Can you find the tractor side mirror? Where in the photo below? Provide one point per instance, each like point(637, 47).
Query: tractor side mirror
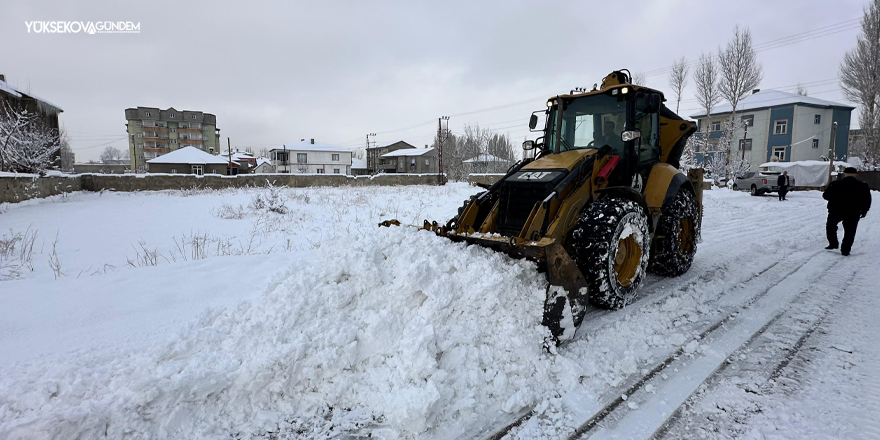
point(630, 135)
point(529, 145)
point(533, 121)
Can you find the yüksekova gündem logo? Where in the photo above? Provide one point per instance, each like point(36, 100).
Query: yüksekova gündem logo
point(85, 27)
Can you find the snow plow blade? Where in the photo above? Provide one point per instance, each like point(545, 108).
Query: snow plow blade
point(551, 257)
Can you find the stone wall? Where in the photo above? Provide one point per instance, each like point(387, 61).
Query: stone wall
point(18, 188)
point(484, 179)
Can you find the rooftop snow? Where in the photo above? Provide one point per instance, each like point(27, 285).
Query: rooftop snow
point(188, 155)
point(408, 152)
point(771, 98)
point(4, 86)
point(357, 164)
point(308, 146)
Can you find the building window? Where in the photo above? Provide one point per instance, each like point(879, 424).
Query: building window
point(213, 171)
point(781, 127)
point(172, 116)
point(197, 170)
point(320, 171)
point(193, 116)
point(138, 124)
point(140, 135)
point(428, 161)
point(817, 119)
point(174, 171)
point(140, 145)
point(779, 153)
point(335, 170)
point(716, 126)
point(748, 121)
point(815, 143)
point(334, 157)
point(149, 114)
point(745, 144)
point(302, 158)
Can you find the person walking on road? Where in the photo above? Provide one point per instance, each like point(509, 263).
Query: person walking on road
point(782, 185)
point(848, 200)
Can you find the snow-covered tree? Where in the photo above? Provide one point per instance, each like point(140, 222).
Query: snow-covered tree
point(678, 79)
point(474, 142)
point(707, 94)
point(860, 79)
point(26, 144)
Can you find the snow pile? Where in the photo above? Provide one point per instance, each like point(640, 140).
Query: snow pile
point(400, 327)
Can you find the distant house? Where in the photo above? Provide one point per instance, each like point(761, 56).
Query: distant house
point(778, 125)
point(264, 166)
point(375, 162)
point(310, 157)
point(21, 100)
point(246, 161)
point(413, 161)
point(359, 167)
point(486, 163)
point(190, 160)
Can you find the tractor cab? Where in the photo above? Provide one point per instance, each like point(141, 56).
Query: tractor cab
point(621, 120)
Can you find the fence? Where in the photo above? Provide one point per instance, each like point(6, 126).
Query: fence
point(17, 188)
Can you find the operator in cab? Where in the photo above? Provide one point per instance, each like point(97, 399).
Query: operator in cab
point(610, 137)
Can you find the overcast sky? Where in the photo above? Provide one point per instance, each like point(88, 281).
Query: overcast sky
point(276, 72)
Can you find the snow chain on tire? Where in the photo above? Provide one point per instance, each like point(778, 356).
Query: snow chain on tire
point(610, 246)
point(675, 241)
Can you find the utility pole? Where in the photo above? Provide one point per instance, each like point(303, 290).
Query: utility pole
point(831, 151)
point(441, 137)
point(229, 146)
point(372, 157)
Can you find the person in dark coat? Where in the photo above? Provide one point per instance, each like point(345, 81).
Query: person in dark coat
point(849, 199)
point(782, 184)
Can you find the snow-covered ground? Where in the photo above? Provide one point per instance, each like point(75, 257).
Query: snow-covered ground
point(287, 313)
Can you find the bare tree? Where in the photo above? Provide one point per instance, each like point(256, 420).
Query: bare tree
point(707, 93)
point(638, 79)
point(67, 155)
point(801, 90)
point(740, 74)
point(739, 68)
point(27, 145)
point(111, 155)
point(678, 79)
point(860, 79)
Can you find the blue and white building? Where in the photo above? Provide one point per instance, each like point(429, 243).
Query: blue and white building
point(780, 125)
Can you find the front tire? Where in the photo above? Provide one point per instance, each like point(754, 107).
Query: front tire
point(754, 190)
point(610, 246)
point(675, 240)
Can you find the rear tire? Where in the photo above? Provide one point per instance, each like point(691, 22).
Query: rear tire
point(675, 240)
point(610, 246)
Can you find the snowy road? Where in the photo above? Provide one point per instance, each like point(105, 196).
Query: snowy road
point(429, 339)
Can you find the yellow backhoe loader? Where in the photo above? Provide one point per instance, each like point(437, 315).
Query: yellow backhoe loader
point(599, 202)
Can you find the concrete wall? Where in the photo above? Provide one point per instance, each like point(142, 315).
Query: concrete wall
point(872, 178)
point(103, 168)
point(484, 179)
point(17, 189)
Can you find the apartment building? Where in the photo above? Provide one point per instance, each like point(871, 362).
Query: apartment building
point(780, 126)
point(153, 132)
point(377, 164)
point(310, 157)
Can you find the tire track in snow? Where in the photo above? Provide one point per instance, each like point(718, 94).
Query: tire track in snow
point(743, 326)
point(613, 399)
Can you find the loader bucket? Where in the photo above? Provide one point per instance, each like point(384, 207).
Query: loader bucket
point(551, 257)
